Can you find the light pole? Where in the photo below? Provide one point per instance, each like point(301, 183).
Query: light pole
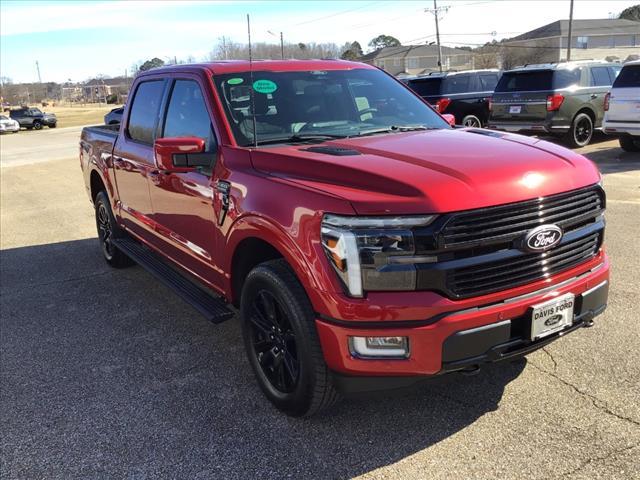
point(281, 43)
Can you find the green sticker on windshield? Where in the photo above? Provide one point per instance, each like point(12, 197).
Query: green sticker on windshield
point(235, 81)
point(264, 86)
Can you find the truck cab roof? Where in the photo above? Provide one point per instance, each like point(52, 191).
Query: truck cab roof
point(233, 66)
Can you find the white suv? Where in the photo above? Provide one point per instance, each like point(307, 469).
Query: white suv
point(622, 108)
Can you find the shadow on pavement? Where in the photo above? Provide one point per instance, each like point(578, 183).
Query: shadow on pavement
point(610, 158)
point(105, 373)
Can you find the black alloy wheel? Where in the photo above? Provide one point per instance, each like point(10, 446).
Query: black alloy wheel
point(37, 125)
point(108, 230)
point(274, 342)
point(105, 232)
point(281, 341)
point(581, 131)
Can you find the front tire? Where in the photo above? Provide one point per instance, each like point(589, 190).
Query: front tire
point(581, 131)
point(108, 230)
point(629, 144)
point(279, 332)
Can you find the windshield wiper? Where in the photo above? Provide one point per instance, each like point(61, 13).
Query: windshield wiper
point(298, 138)
point(395, 128)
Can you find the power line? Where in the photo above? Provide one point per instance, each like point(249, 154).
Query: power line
point(333, 14)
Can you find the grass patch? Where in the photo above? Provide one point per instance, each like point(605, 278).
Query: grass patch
point(80, 115)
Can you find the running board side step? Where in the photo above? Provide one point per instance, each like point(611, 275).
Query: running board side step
point(213, 308)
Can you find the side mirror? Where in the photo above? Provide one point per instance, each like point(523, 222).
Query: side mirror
point(451, 120)
point(181, 154)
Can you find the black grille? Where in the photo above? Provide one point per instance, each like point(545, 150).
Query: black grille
point(502, 224)
point(511, 272)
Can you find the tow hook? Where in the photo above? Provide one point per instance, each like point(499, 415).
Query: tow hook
point(588, 320)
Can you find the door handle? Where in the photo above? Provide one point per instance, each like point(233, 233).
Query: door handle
point(593, 95)
point(118, 163)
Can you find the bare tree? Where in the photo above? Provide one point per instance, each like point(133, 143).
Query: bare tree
point(516, 55)
point(226, 49)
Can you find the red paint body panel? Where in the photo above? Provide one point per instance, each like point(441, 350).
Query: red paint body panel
point(278, 194)
point(426, 342)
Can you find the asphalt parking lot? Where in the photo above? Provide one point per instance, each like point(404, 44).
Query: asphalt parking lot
point(106, 374)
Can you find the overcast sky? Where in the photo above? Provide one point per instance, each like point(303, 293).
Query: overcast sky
point(77, 40)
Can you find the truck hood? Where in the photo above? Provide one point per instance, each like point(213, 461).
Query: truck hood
point(432, 171)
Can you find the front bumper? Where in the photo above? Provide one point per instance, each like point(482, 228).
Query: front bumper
point(466, 338)
point(10, 128)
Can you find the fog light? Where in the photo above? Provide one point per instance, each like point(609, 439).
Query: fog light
point(387, 347)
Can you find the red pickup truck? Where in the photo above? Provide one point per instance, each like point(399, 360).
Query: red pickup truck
point(366, 243)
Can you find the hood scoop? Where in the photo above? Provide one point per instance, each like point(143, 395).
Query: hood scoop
point(332, 150)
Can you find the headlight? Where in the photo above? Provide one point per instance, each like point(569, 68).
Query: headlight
point(373, 253)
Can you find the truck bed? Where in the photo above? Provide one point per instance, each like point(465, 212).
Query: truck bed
point(98, 139)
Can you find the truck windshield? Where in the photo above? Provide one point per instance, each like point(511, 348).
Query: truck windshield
point(319, 104)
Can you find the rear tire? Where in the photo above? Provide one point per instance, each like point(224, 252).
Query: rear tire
point(108, 230)
point(37, 125)
point(472, 121)
point(279, 332)
point(630, 144)
point(581, 131)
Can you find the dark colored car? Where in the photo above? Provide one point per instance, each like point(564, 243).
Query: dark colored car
point(463, 94)
point(564, 99)
point(114, 116)
point(33, 118)
point(366, 243)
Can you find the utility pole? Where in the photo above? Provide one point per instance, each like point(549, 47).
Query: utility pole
point(224, 47)
point(436, 11)
point(570, 28)
point(281, 43)
point(38, 69)
point(281, 46)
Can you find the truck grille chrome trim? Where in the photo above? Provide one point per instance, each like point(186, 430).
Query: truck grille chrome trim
point(504, 223)
point(531, 294)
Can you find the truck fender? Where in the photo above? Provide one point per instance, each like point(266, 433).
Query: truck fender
point(101, 167)
point(261, 228)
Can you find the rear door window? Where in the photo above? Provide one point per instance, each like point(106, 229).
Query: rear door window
point(565, 78)
point(144, 111)
point(457, 84)
point(488, 81)
point(187, 114)
point(600, 77)
point(628, 77)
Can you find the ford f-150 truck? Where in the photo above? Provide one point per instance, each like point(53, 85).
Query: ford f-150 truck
point(366, 243)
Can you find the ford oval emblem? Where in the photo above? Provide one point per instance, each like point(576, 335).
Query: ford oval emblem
point(553, 320)
point(542, 238)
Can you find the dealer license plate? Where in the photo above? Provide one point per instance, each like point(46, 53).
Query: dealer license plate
point(515, 109)
point(552, 316)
